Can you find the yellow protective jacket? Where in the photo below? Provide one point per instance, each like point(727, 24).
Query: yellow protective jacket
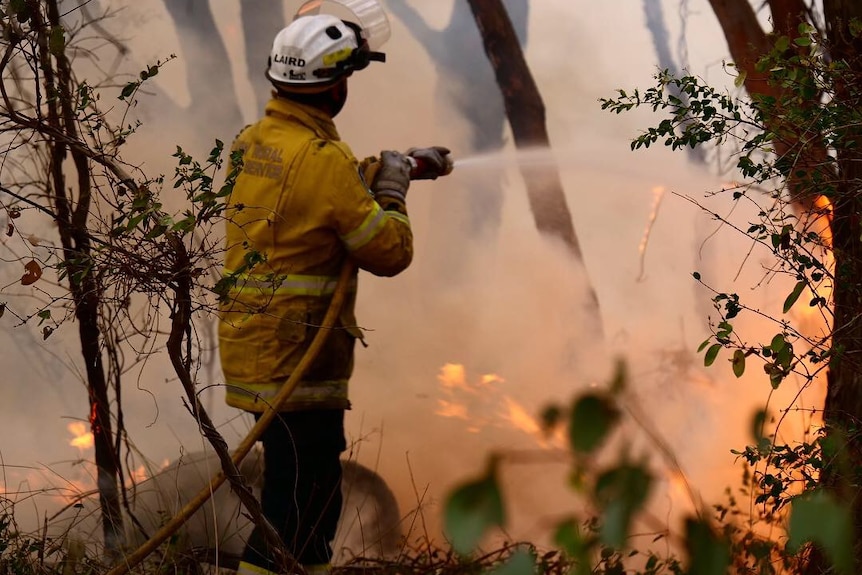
point(299, 208)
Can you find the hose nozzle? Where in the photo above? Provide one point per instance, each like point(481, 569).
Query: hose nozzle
point(422, 169)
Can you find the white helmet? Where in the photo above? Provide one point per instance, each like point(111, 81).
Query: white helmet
point(368, 14)
point(315, 51)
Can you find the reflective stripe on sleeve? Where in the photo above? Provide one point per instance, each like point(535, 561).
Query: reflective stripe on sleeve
point(290, 284)
point(398, 216)
point(246, 568)
point(253, 395)
point(366, 230)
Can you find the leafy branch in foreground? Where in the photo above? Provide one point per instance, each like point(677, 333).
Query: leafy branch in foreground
point(796, 146)
point(123, 257)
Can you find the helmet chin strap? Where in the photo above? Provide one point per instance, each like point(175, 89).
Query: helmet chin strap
point(361, 56)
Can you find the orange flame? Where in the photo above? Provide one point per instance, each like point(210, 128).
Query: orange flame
point(453, 376)
point(482, 404)
point(518, 417)
point(491, 378)
point(82, 437)
point(461, 394)
point(452, 409)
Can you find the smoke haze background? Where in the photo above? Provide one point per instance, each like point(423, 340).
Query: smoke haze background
point(510, 304)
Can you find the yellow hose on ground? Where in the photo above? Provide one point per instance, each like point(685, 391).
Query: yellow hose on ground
point(132, 560)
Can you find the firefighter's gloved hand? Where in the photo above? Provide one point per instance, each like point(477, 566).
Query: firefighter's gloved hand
point(431, 163)
point(393, 177)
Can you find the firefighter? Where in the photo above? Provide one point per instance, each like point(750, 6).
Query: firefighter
point(302, 204)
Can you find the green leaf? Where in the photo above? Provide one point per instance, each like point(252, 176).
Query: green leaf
point(185, 225)
point(590, 421)
point(621, 492)
point(785, 356)
point(739, 81)
point(149, 72)
point(472, 509)
point(56, 41)
point(708, 554)
point(758, 424)
point(577, 546)
point(135, 220)
point(128, 90)
point(738, 363)
point(157, 231)
point(818, 518)
point(522, 562)
point(705, 343)
point(777, 343)
point(619, 379)
point(794, 295)
point(711, 354)
point(776, 375)
point(568, 537)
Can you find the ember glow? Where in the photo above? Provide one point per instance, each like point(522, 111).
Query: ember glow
point(823, 223)
point(658, 195)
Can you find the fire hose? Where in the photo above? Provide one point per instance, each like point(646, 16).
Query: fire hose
point(183, 515)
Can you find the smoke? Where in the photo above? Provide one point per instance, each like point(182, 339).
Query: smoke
point(510, 303)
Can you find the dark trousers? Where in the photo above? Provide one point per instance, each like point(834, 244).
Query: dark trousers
point(301, 494)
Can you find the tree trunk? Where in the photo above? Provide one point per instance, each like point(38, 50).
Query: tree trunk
point(210, 79)
point(748, 42)
point(842, 413)
point(466, 85)
point(71, 221)
point(525, 110)
point(843, 409)
point(661, 41)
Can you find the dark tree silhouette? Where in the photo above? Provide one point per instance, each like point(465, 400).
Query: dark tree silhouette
point(467, 84)
point(261, 21)
point(655, 22)
point(207, 60)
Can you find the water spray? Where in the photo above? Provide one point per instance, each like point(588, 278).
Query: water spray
point(538, 157)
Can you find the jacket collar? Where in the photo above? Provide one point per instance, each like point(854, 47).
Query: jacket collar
point(316, 120)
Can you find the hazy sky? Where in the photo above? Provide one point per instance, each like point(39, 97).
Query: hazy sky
point(516, 309)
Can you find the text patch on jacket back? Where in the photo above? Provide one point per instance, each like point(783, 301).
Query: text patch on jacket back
point(264, 162)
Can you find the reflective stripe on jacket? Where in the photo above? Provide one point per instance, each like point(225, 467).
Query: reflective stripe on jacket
point(299, 208)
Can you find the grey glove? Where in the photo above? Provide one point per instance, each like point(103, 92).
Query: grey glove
point(431, 163)
point(393, 178)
